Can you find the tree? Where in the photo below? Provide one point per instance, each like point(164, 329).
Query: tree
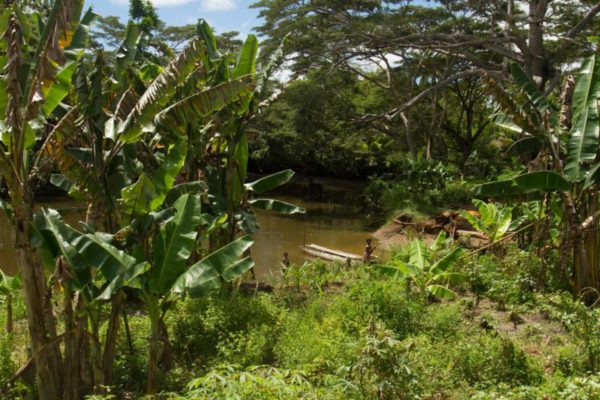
point(566, 142)
point(36, 59)
point(444, 42)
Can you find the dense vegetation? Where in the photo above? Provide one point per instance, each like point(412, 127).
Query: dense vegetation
point(474, 113)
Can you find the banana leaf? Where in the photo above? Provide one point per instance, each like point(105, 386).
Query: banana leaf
point(175, 243)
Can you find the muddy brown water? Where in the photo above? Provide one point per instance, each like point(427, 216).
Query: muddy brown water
point(331, 224)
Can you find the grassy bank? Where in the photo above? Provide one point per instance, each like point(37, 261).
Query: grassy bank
point(327, 332)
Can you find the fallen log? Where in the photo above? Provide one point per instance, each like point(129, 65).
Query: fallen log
point(473, 234)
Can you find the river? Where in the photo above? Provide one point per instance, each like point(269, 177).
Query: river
point(334, 224)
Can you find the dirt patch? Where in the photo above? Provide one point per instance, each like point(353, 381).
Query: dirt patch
point(404, 228)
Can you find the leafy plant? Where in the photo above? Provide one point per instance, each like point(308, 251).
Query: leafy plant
point(570, 172)
point(429, 276)
point(494, 220)
point(8, 288)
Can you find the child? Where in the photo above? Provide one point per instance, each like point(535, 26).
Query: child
point(369, 249)
point(285, 262)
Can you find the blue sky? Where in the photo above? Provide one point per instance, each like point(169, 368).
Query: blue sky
point(222, 15)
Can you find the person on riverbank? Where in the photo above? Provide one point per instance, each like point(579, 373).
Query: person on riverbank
point(285, 263)
point(369, 250)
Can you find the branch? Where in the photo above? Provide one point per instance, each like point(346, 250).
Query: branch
point(441, 84)
point(580, 26)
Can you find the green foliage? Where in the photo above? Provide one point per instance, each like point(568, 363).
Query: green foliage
point(130, 366)
point(426, 270)
point(259, 382)
point(494, 220)
point(390, 194)
point(508, 280)
point(316, 337)
point(7, 365)
point(226, 329)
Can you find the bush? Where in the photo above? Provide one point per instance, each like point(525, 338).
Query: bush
point(259, 382)
point(317, 337)
point(228, 327)
point(7, 365)
point(509, 280)
point(130, 366)
point(487, 361)
point(388, 301)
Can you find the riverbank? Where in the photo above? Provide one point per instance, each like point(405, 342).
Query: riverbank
point(331, 332)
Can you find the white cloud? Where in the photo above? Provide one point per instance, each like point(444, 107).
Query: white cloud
point(218, 5)
point(158, 3)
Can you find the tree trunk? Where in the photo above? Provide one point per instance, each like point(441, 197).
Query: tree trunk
point(152, 379)
point(537, 60)
point(110, 343)
point(72, 382)
point(40, 318)
point(9, 314)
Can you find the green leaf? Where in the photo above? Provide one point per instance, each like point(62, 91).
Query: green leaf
point(174, 244)
point(277, 206)
point(164, 178)
point(237, 269)
point(270, 182)
point(504, 223)
point(59, 89)
point(544, 181)
point(177, 191)
point(530, 88)
point(137, 198)
point(61, 181)
point(583, 142)
point(246, 63)
point(407, 269)
point(530, 183)
point(528, 145)
point(205, 276)
point(174, 120)
point(84, 253)
point(160, 91)
point(447, 261)
point(206, 34)
point(126, 278)
point(125, 54)
point(592, 177)
point(417, 254)
point(441, 292)
point(9, 284)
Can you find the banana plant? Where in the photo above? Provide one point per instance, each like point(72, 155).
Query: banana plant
point(9, 285)
point(565, 141)
point(221, 150)
point(119, 146)
point(494, 220)
point(41, 53)
point(161, 268)
point(427, 272)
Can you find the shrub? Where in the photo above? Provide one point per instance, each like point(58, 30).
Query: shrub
point(485, 361)
point(258, 382)
point(317, 337)
point(232, 327)
point(388, 301)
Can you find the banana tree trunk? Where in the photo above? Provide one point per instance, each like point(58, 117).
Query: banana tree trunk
point(72, 382)
point(152, 372)
point(110, 343)
point(9, 314)
point(40, 318)
point(587, 256)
